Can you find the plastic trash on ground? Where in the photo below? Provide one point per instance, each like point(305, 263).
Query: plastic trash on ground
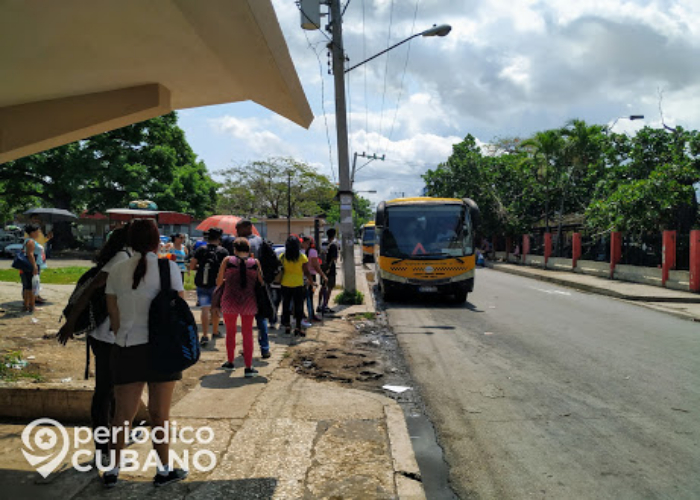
point(396, 388)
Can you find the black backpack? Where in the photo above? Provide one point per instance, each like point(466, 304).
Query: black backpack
point(207, 269)
point(96, 311)
point(269, 263)
point(172, 330)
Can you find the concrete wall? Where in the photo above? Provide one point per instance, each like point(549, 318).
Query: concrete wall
point(534, 260)
point(593, 268)
point(559, 264)
point(638, 274)
point(678, 280)
point(500, 255)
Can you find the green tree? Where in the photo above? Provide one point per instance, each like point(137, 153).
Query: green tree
point(264, 188)
point(147, 160)
point(649, 182)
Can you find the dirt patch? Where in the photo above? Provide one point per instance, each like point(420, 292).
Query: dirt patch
point(344, 350)
point(34, 336)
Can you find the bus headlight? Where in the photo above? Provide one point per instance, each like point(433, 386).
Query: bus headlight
point(392, 277)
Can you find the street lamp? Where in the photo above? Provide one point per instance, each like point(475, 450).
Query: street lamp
point(345, 192)
point(441, 30)
point(630, 117)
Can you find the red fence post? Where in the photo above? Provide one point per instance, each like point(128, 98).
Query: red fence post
point(668, 255)
point(526, 247)
point(615, 251)
point(508, 244)
point(547, 247)
point(695, 260)
point(575, 249)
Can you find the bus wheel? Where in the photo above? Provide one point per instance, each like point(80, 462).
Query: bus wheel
point(388, 293)
point(460, 297)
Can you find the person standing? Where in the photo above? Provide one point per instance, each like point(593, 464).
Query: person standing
point(131, 287)
point(207, 261)
point(244, 229)
point(100, 339)
point(296, 267)
point(179, 250)
point(35, 255)
point(309, 247)
point(240, 272)
point(330, 258)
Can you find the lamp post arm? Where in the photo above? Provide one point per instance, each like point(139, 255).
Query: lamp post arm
point(383, 52)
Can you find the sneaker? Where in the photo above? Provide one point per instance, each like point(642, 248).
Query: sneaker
point(172, 477)
point(136, 435)
point(319, 309)
point(328, 310)
point(218, 335)
point(250, 372)
point(316, 319)
point(305, 323)
point(109, 480)
point(266, 354)
point(228, 366)
point(204, 341)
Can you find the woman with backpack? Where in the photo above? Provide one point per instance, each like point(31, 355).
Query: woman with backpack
point(239, 274)
point(131, 287)
point(295, 266)
point(101, 339)
point(309, 247)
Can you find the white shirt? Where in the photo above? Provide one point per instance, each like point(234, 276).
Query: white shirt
point(134, 305)
point(102, 332)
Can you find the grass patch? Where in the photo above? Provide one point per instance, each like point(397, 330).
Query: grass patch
point(368, 315)
point(55, 276)
point(12, 368)
point(350, 299)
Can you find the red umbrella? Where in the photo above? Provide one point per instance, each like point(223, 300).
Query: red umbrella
point(227, 223)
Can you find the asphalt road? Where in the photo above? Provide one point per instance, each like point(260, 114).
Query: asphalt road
point(538, 391)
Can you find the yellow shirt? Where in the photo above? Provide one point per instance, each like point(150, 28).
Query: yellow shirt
point(293, 273)
point(40, 238)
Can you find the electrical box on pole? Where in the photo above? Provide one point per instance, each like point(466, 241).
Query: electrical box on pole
point(310, 11)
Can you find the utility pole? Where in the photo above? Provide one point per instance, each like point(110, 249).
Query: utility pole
point(371, 158)
point(289, 203)
point(345, 192)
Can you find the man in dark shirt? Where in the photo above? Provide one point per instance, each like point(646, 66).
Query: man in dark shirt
point(206, 262)
point(329, 257)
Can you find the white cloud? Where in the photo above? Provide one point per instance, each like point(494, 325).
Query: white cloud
point(254, 134)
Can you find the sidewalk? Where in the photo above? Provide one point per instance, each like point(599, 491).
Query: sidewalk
point(682, 304)
point(277, 436)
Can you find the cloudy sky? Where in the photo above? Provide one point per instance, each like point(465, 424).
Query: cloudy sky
point(508, 68)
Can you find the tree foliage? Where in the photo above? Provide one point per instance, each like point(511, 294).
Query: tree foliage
point(639, 183)
point(147, 160)
point(265, 187)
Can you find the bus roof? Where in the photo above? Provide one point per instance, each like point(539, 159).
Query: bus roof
point(426, 200)
point(368, 224)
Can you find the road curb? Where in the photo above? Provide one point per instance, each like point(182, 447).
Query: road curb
point(594, 289)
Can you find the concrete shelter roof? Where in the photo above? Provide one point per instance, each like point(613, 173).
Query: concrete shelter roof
point(75, 68)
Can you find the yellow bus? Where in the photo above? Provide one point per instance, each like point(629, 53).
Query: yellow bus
point(367, 235)
point(426, 245)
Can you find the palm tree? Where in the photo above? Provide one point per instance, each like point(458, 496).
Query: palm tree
point(546, 149)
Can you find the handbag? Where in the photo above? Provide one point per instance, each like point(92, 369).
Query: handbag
point(217, 296)
point(21, 263)
point(280, 274)
point(262, 298)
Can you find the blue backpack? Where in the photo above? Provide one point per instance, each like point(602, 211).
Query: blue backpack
point(172, 330)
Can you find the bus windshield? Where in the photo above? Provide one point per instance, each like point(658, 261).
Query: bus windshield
point(368, 236)
point(427, 231)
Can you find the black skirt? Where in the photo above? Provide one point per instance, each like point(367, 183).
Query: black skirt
point(132, 364)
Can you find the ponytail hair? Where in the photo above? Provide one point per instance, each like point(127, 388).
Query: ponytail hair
point(143, 238)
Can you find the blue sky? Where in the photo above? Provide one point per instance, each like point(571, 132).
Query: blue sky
point(508, 68)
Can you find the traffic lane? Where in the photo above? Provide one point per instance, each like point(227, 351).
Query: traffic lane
point(536, 387)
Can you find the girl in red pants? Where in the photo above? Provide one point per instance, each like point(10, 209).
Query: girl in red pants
point(239, 273)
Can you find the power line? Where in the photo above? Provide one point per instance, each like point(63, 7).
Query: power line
point(386, 68)
point(345, 8)
point(323, 106)
point(403, 75)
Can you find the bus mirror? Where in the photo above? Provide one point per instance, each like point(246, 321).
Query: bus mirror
point(379, 217)
point(474, 213)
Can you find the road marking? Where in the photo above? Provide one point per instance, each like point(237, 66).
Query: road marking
point(550, 291)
